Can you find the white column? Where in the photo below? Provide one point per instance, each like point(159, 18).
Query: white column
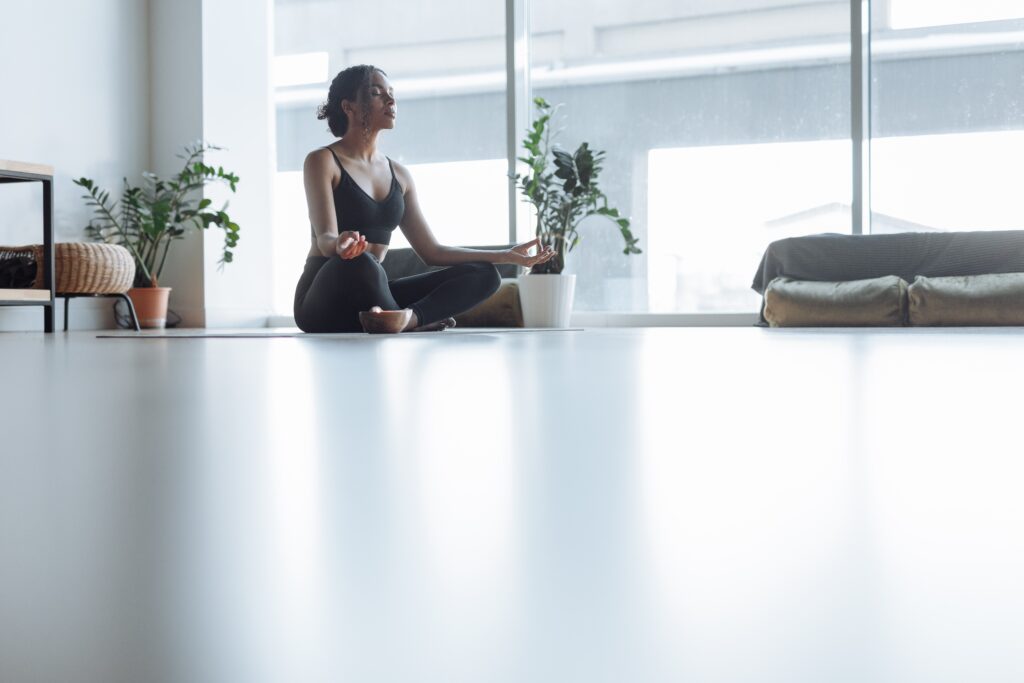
point(176, 118)
point(210, 80)
point(237, 48)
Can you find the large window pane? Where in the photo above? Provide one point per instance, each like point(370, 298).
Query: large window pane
point(446, 60)
point(726, 126)
point(947, 115)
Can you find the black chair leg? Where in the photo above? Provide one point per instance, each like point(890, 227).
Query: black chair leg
point(125, 297)
point(131, 311)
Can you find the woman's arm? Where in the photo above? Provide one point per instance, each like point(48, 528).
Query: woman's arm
point(317, 176)
point(433, 253)
point(421, 238)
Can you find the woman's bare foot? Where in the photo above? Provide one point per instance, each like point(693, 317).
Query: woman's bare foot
point(436, 327)
point(378, 321)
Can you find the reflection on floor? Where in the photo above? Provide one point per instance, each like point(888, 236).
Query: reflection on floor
point(604, 505)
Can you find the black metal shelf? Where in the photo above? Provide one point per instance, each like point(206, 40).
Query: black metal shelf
point(16, 172)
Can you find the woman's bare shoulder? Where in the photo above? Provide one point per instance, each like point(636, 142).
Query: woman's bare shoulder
point(319, 157)
point(319, 164)
point(403, 175)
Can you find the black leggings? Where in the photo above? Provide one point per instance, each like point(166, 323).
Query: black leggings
point(332, 291)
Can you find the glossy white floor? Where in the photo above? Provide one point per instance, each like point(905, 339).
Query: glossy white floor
point(603, 505)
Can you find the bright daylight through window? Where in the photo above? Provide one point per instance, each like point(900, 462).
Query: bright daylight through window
point(726, 126)
point(947, 117)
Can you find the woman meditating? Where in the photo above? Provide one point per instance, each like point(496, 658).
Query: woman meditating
point(356, 198)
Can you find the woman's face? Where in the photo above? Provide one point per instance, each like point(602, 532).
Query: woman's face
point(376, 107)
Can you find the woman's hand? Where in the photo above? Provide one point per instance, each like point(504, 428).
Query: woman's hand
point(520, 254)
point(350, 244)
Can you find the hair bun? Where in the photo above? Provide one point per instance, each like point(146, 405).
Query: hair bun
point(345, 86)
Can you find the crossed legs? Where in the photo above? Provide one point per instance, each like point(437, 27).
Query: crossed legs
point(333, 293)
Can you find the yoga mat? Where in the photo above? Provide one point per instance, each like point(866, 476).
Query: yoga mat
point(338, 335)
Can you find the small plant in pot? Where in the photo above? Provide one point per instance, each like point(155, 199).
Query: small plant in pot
point(150, 217)
point(563, 190)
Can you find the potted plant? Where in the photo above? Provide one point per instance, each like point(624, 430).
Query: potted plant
point(562, 198)
point(148, 218)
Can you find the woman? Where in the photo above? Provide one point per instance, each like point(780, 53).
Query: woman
point(356, 198)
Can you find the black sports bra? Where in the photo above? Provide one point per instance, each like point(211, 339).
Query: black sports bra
point(356, 210)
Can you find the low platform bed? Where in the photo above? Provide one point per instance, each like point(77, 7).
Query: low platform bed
point(953, 278)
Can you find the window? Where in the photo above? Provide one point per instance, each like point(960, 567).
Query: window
point(904, 14)
point(726, 126)
point(724, 129)
point(947, 124)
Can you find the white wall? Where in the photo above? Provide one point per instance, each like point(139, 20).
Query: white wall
point(74, 94)
point(110, 88)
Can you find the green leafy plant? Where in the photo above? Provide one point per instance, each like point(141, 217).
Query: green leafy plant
point(567, 193)
point(149, 217)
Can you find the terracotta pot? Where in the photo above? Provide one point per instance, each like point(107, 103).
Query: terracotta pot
point(150, 305)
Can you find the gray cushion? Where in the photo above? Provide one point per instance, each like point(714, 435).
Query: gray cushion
point(880, 301)
point(835, 258)
point(994, 299)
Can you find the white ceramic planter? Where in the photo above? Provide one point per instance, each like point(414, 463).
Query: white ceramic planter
point(546, 299)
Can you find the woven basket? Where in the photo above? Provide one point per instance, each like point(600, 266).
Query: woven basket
point(93, 268)
point(84, 267)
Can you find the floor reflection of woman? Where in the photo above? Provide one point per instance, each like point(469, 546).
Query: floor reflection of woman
point(356, 198)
